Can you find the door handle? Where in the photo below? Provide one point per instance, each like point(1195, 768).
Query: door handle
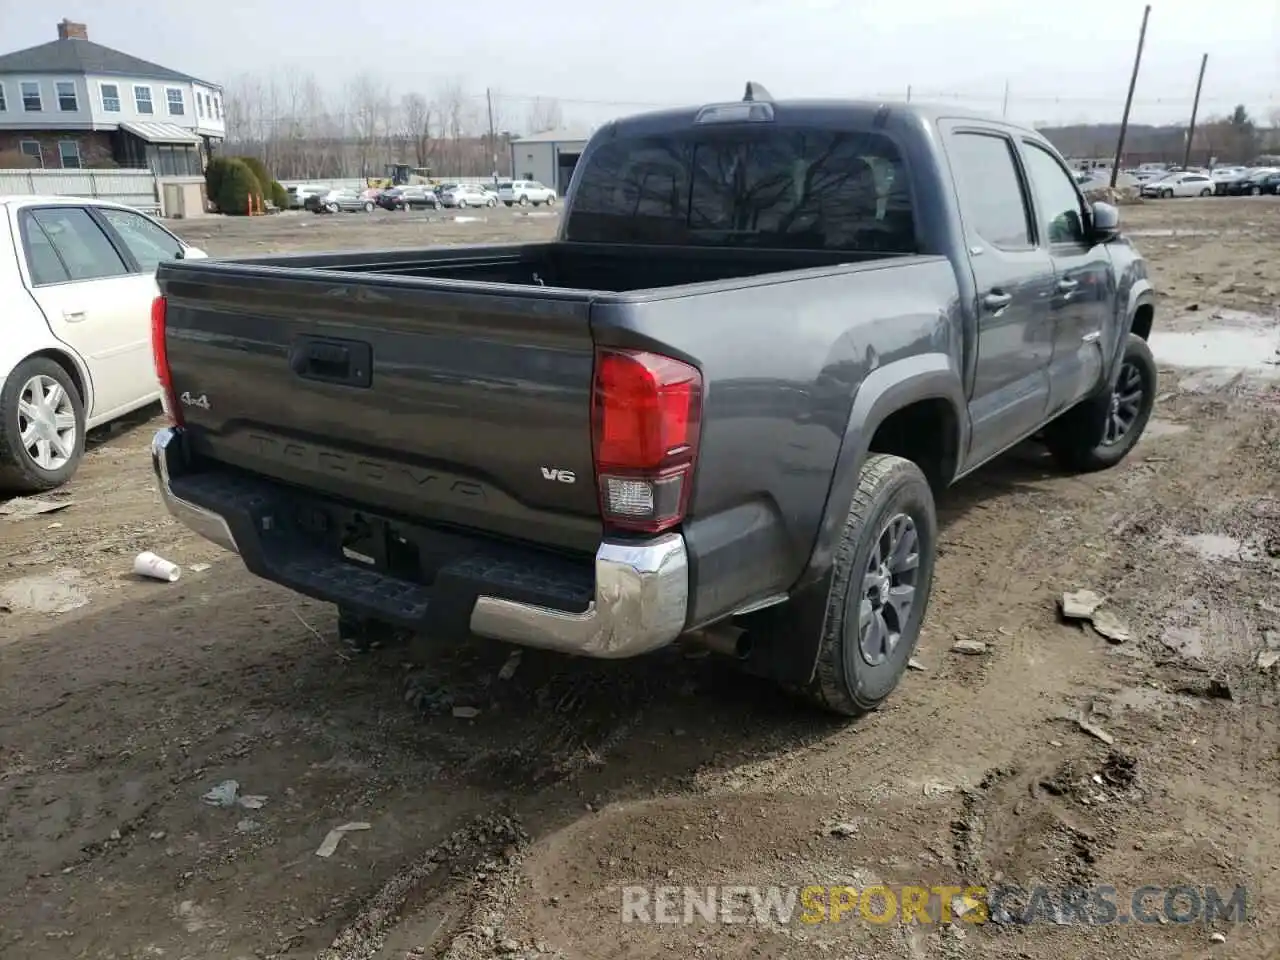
point(73, 316)
point(1066, 284)
point(997, 301)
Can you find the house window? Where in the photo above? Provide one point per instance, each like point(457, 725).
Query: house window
point(177, 107)
point(217, 108)
point(142, 100)
point(4, 103)
point(31, 97)
point(66, 90)
point(200, 103)
point(31, 148)
point(111, 98)
point(69, 154)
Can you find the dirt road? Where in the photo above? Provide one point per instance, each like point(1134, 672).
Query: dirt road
point(513, 832)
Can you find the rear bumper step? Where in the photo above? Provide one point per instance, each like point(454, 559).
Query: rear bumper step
point(637, 602)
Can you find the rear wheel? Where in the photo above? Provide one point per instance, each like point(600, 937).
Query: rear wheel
point(491, 202)
point(1255, 191)
point(524, 201)
point(1167, 194)
point(551, 201)
point(879, 590)
point(368, 206)
point(41, 427)
point(1206, 192)
point(1100, 432)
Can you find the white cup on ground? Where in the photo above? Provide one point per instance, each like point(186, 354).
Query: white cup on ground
point(147, 564)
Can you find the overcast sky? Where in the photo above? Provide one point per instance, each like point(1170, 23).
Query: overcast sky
point(1062, 61)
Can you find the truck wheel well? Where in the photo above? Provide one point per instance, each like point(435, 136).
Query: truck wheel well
point(927, 434)
point(1143, 317)
point(67, 364)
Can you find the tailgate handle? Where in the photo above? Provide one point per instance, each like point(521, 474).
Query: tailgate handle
point(347, 362)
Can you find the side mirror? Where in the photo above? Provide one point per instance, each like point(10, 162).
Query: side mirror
point(1106, 222)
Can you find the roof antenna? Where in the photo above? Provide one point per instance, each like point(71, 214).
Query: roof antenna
point(756, 93)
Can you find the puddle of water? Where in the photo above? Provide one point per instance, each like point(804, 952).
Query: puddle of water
point(1252, 350)
point(1216, 547)
point(59, 592)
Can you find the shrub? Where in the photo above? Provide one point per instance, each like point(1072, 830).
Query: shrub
point(260, 173)
point(214, 172)
point(279, 195)
point(17, 160)
point(236, 186)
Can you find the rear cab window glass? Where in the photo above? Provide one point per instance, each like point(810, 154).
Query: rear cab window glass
point(781, 187)
point(990, 189)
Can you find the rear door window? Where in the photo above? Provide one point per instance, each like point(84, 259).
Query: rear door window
point(789, 187)
point(81, 246)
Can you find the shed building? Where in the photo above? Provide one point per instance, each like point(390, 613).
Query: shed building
point(547, 157)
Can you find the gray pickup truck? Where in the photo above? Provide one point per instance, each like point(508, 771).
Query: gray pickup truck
point(716, 409)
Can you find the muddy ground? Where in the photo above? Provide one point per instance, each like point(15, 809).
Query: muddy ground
point(512, 832)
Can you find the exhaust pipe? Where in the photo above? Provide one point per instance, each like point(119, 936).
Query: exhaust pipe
point(722, 638)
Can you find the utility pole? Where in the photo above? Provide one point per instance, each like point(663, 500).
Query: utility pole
point(1128, 100)
point(493, 139)
point(1195, 108)
point(1004, 108)
point(908, 93)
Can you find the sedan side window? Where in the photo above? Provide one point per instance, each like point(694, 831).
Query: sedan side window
point(1057, 201)
point(149, 244)
point(83, 248)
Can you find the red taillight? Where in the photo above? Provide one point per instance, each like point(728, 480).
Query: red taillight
point(647, 410)
point(160, 354)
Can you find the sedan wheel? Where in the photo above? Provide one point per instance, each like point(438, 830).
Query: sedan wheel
point(41, 427)
point(1206, 192)
point(1255, 191)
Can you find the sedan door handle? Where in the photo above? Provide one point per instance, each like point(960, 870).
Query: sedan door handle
point(997, 301)
point(1066, 284)
point(73, 316)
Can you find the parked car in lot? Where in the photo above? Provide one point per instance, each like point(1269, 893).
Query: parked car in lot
point(344, 201)
point(614, 440)
point(418, 198)
point(468, 195)
point(78, 280)
point(1179, 185)
point(299, 193)
point(1252, 185)
point(525, 192)
point(1271, 183)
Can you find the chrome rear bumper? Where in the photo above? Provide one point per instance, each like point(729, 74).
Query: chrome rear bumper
point(641, 589)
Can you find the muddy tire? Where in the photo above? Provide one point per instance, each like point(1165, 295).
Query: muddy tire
point(59, 403)
point(879, 589)
point(1100, 432)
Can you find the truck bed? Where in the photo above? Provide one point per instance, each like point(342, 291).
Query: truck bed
point(608, 268)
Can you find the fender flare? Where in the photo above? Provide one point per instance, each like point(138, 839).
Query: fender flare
point(791, 633)
point(1141, 295)
point(885, 391)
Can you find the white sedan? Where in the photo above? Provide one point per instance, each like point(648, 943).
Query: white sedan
point(467, 195)
point(77, 279)
point(1190, 184)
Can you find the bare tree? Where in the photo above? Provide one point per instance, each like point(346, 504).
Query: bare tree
point(544, 115)
point(417, 113)
point(370, 101)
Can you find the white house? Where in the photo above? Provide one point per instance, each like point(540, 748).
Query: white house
point(73, 103)
point(547, 157)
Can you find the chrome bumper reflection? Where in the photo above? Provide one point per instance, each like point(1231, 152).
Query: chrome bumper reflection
point(642, 596)
point(166, 447)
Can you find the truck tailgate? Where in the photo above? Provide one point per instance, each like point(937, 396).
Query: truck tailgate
point(460, 403)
